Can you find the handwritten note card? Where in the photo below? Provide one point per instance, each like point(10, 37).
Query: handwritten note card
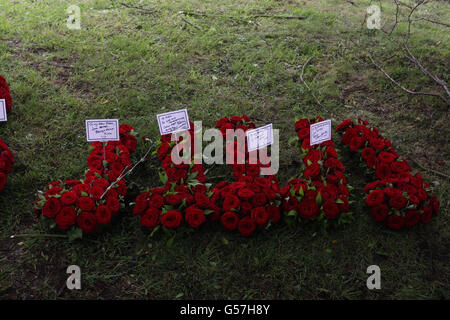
point(259, 138)
point(102, 130)
point(3, 116)
point(173, 121)
point(320, 132)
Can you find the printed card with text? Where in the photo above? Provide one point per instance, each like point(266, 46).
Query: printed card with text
point(174, 121)
point(3, 116)
point(102, 130)
point(259, 138)
point(320, 132)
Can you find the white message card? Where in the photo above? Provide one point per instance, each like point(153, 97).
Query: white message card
point(174, 121)
point(3, 116)
point(259, 138)
point(102, 130)
point(320, 132)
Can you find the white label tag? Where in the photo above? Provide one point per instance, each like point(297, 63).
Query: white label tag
point(173, 121)
point(259, 138)
point(3, 116)
point(320, 132)
point(102, 130)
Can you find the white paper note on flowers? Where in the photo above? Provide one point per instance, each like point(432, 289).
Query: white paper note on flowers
point(320, 132)
point(174, 121)
point(259, 138)
point(3, 116)
point(102, 130)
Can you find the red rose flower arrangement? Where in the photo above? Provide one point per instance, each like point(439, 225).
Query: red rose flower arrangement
point(5, 94)
point(6, 162)
point(396, 198)
point(252, 201)
point(184, 201)
point(320, 192)
point(81, 206)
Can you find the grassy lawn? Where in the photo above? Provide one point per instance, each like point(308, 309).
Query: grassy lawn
point(218, 58)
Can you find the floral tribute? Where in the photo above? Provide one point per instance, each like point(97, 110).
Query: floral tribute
point(184, 201)
point(83, 206)
point(320, 191)
point(5, 94)
point(6, 162)
point(396, 198)
point(252, 201)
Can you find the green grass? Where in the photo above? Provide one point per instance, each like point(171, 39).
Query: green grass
point(131, 64)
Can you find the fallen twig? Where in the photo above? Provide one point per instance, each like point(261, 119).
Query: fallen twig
point(304, 82)
point(433, 77)
point(428, 169)
point(126, 172)
point(403, 88)
point(190, 23)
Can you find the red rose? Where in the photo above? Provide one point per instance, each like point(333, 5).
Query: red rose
point(426, 214)
point(397, 201)
point(173, 199)
point(79, 188)
point(68, 198)
point(66, 218)
point(194, 217)
point(252, 170)
point(379, 213)
point(308, 209)
point(246, 226)
point(86, 204)
point(330, 209)
point(313, 156)
point(245, 193)
point(386, 157)
point(156, 201)
point(102, 183)
point(371, 162)
point(312, 171)
point(87, 222)
point(229, 220)
point(412, 217)
point(171, 219)
point(51, 208)
point(383, 171)
point(259, 200)
point(355, 143)
point(163, 150)
point(400, 166)
point(103, 214)
point(302, 123)
point(274, 213)
point(230, 202)
point(113, 205)
point(367, 153)
point(344, 125)
point(377, 144)
point(395, 222)
point(125, 128)
point(303, 133)
point(150, 218)
point(435, 204)
point(260, 216)
point(202, 200)
point(375, 198)
point(96, 192)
